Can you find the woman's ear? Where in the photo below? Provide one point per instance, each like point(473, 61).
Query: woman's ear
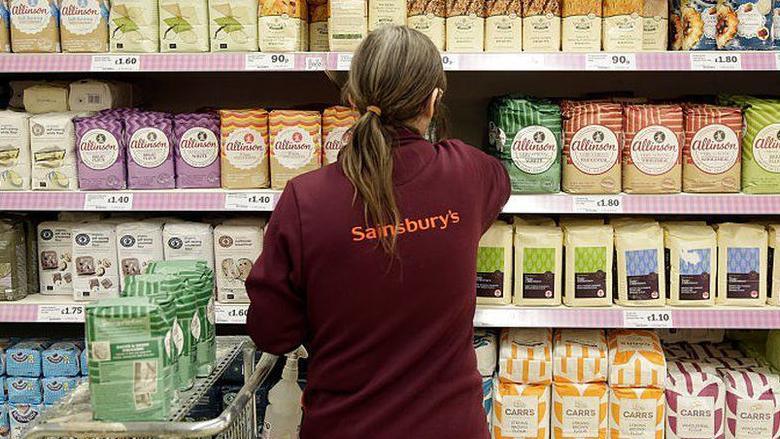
point(430, 107)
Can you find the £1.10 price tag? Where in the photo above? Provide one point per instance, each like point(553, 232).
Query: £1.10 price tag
point(610, 61)
point(116, 63)
point(60, 313)
point(647, 319)
point(716, 61)
point(258, 201)
point(108, 201)
point(269, 61)
point(598, 204)
point(232, 314)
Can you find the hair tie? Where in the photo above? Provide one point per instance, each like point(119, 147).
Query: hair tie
point(374, 109)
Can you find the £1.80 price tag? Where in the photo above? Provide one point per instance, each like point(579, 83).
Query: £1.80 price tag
point(598, 204)
point(610, 61)
point(116, 63)
point(108, 201)
point(260, 201)
point(647, 319)
point(60, 313)
point(716, 61)
point(269, 61)
point(232, 314)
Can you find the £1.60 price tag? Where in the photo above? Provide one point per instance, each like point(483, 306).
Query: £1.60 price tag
point(610, 61)
point(116, 63)
point(259, 201)
point(647, 319)
point(60, 313)
point(108, 201)
point(232, 314)
point(598, 204)
point(716, 61)
point(269, 61)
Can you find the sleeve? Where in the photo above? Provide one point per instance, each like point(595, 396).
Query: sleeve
point(276, 320)
point(496, 188)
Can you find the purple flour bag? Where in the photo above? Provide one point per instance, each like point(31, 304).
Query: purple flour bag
point(150, 140)
point(197, 150)
point(101, 153)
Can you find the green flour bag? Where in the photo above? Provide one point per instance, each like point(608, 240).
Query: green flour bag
point(760, 144)
point(525, 134)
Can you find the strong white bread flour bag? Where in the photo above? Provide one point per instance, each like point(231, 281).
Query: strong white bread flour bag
point(138, 243)
point(640, 265)
point(742, 264)
point(94, 269)
point(494, 265)
point(588, 265)
point(236, 248)
point(691, 253)
point(538, 265)
point(189, 240)
point(525, 355)
point(55, 258)
point(580, 356)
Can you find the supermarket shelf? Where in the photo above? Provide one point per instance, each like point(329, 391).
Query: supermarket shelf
point(320, 61)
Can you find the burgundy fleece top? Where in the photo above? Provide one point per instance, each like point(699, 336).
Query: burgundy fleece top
point(391, 354)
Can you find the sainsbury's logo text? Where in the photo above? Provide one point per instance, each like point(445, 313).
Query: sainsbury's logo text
point(434, 222)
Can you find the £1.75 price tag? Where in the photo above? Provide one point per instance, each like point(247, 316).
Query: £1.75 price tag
point(647, 319)
point(108, 201)
point(116, 63)
point(258, 201)
point(598, 204)
point(269, 61)
point(716, 61)
point(232, 314)
point(610, 61)
point(60, 313)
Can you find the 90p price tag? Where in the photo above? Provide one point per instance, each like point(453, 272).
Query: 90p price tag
point(598, 204)
point(716, 61)
point(269, 61)
point(232, 314)
point(450, 61)
point(610, 61)
point(61, 313)
point(116, 63)
point(257, 201)
point(647, 319)
point(108, 201)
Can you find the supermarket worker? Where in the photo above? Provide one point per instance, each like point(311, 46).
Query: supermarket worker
point(371, 262)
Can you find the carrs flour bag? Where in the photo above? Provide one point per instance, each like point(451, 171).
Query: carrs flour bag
point(525, 355)
point(712, 152)
point(580, 356)
point(636, 359)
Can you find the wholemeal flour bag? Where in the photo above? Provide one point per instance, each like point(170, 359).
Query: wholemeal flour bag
point(101, 151)
point(588, 271)
point(693, 24)
point(623, 27)
point(318, 28)
point(712, 151)
point(295, 144)
point(336, 122)
point(580, 410)
point(244, 149)
point(695, 401)
point(751, 405)
point(691, 261)
point(655, 20)
point(521, 410)
point(494, 265)
point(580, 356)
point(233, 25)
point(236, 248)
point(134, 26)
point(760, 144)
point(636, 413)
point(197, 150)
point(84, 25)
point(53, 151)
point(486, 349)
point(282, 26)
point(35, 26)
point(465, 26)
point(525, 135)
point(652, 149)
point(641, 279)
point(55, 258)
point(581, 25)
point(138, 243)
point(150, 141)
point(525, 355)
point(5, 27)
point(428, 17)
point(347, 24)
point(742, 264)
point(189, 241)
point(636, 359)
point(95, 266)
point(184, 26)
point(386, 12)
point(14, 150)
point(541, 25)
point(538, 265)
point(593, 139)
point(503, 25)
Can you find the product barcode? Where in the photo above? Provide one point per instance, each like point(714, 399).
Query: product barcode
point(94, 99)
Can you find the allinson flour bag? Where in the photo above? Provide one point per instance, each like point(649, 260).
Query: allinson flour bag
point(465, 26)
point(521, 410)
point(386, 12)
point(282, 26)
point(623, 25)
point(295, 144)
point(84, 25)
point(580, 410)
point(652, 149)
point(538, 265)
point(197, 150)
point(427, 16)
point(336, 122)
point(53, 151)
point(14, 150)
point(5, 27)
point(641, 277)
point(347, 25)
point(593, 133)
point(581, 25)
point(655, 19)
point(184, 26)
point(588, 265)
point(494, 265)
point(244, 149)
point(149, 138)
point(503, 25)
point(318, 28)
point(35, 26)
point(760, 144)
point(134, 26)
point(541, 25)
point(233, 25)
point(712, 151)
point(101, 151)
point(742, 264)
point(525, 135)
point(691, 261)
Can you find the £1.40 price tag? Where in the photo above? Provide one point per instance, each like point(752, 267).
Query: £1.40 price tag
point(716, 61)
point(232, 314)
point(258, 201)
point(610, 61)
point(598, 204)
point(269, 61)
point(116, 63)
point(60, 313)
point(647, 319)
point(108, 201)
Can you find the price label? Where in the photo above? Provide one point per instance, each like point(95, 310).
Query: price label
point(269, 61)
point(232, 314)
point(598, 204)
point(647, 319)
point(450, 61)
point(344, 61)
point(716, 61)
point(108, 201)
point(262, 201)
point(116, 63)
point(314, 63)
point(610, 61)
point(777, 60)
point(60, 313)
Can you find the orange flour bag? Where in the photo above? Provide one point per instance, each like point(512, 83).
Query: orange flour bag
point(295, 144)
point(652, 149)
point(712, 152)
point(244, 152)
point(336, 122)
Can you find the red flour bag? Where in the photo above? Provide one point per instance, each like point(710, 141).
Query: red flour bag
point(712, 154)
point(593, 138)
point(652, 149)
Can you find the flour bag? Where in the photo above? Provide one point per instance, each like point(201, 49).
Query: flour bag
point(465, 26)
point(742, 264)
point(541, 26)
point(538, 265)
point(55, 258)
point(296, 146)
point(691, 264)
point(244, 156)
point(35, 26)
point(14, 150)
point(197, 150)
point(53, 151)
point(589, 253)
point(712, 152)
point(503, 25)
point(134, 26)
point(581, 25)
point(336, 122)
point(623, 27)
point(494, 265)
point(233, 25)
point(101, 151)
point(84, 25)
point(150, 143)
point(428, 17)
point(652, 149)
point(641, 279)
point(184, 26)
point(282, 26)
